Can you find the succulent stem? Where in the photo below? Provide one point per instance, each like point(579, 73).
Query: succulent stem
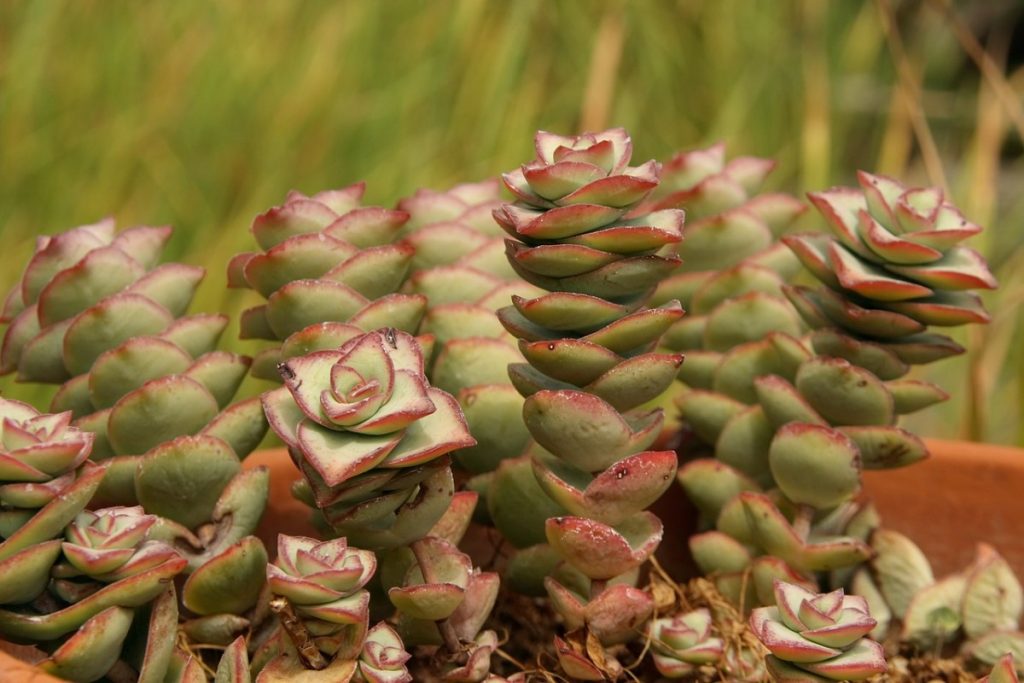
point(802, 521)
point(451, 640)
point(597, 587)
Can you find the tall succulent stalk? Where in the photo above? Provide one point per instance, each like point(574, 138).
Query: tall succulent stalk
point(794, 421)
point(591, 360)
point(732, 273)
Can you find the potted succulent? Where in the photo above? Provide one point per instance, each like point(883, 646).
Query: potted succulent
point(493, 412)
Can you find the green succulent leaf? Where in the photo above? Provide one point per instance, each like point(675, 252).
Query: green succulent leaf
point(107, 325)
point(159, 411)
point(27, 572)
point(815, 465)
point(182, 479)
point(160, 637)
point(518, 505)
point(93, 650)
point(127, 367)
point(229, 582)
point(844, 394)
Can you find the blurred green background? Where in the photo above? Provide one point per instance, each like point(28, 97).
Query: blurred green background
point(202, 114)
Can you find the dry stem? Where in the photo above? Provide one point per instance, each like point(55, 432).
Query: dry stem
point(291, 623)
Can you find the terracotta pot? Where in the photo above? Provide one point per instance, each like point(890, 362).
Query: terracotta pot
point(16, 666)
point(965, 493)
point(284, 514)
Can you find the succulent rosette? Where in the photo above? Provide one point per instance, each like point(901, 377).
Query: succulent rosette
point(440, 597)
point(329, 270)
point(383, 657)
point(111, 544)
point(39, 454)
point(443, 599)
point(684, 642)
point(817, 637)
point(44, 484)
point(367, 431)
point(460, 266)
point(805, 416)
point(324, 581)
point(433, 592)
point(892, 266)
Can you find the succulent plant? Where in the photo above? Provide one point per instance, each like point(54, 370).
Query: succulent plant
point(455, 228)
point(441, 598)
point(109, 569)
point(126, 519)
point(95, 311)
point(383, 657)
point(107, 545)
point(591, 364)
point(683, 642)
point(794, 421)
point(40, 455)
point(980, 606)
point(708, 187)
point(589, 341)
point(854, 384)
point(817, 637)
point(369, 435)
point(45, 482)
point(151, 398)
point(329, 270)
point(324, 582)
point(756, 537)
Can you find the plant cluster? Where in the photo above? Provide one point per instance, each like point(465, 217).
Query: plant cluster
point(464, 368)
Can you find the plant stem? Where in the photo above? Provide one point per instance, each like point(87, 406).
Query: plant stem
point(597, 587)
point(451, 640)
point(802, 521)
point(298, 633)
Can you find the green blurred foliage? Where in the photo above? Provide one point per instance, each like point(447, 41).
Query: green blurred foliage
point(202, 114)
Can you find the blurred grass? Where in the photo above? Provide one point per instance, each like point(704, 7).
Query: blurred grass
point(202, 115)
